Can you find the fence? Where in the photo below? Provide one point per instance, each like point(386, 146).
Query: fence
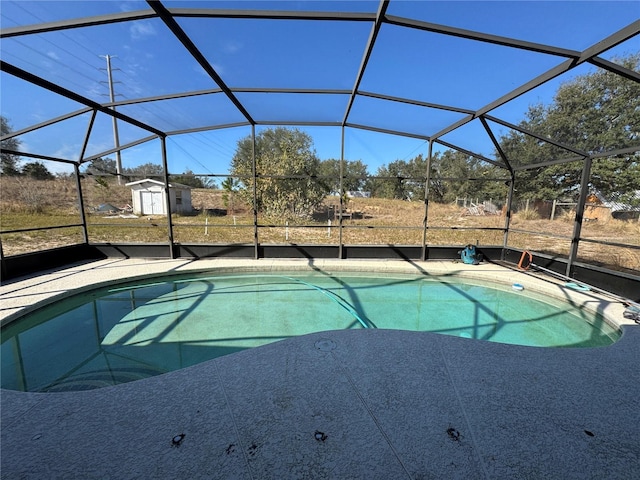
point(544, 208)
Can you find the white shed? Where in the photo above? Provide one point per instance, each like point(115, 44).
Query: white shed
point(148, 197)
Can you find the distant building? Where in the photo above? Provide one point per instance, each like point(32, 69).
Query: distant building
point(599, 207)
point(358, 194)
point(352, 194)
point(148, 197)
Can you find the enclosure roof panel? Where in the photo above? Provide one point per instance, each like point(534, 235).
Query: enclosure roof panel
point(21, 14)
point(337, 6)
point(417, 69)
point(567, 24)
point(280, 54)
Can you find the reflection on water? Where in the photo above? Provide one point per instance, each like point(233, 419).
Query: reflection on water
point(125, 333)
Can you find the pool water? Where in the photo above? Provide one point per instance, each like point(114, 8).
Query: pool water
point(128, 332)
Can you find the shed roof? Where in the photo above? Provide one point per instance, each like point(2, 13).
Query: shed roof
point(140, 183)
point(616, 206)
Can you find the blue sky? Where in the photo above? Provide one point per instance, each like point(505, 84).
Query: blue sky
point(148, 62)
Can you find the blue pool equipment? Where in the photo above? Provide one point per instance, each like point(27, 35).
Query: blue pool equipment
point(518, 287)
point(470, 255)
point(577, 286)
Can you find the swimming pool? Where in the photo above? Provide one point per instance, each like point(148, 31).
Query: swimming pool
point(130, 331)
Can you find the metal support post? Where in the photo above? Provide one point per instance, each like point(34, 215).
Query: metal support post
point(167, 196)
point(507, 215)
point(76, 167)
point(577, 225)
point(256, 243)
point(83, 216)
point(341, 193)
point(423, 255)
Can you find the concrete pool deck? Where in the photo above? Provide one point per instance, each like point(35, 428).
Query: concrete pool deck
point(341, 404)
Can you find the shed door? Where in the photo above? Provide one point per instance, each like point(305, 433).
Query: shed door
point(152, 203)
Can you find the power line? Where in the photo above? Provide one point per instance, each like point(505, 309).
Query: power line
point(225, 149)
point(417, 148)
point(51, 59)
point(60, 33)
point(190, 155)
point(65, 80)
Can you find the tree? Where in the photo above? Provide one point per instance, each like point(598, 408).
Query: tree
point(8, 161)
point(280, 153)
point(230, 187)
point(455, 174)
point(188, 178)
point(37, 170)
point(102, 186)
point(401, 179)
point(595, 113)
point(388, 181)
point(101, 166)
point(354, 175)
point(146, 170)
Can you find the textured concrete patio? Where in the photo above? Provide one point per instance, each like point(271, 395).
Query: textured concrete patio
point(341, 404)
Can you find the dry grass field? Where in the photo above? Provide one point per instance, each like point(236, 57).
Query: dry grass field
point(30, 204)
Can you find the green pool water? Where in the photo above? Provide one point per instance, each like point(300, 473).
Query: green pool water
point(128, 332)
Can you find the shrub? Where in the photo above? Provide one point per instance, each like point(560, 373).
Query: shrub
point(528, 215)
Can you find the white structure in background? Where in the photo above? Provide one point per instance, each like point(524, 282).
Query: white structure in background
point(148, 197)
point(352, 194)
point(358, 194)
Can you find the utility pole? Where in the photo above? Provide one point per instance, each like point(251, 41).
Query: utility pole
point(116, 138)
